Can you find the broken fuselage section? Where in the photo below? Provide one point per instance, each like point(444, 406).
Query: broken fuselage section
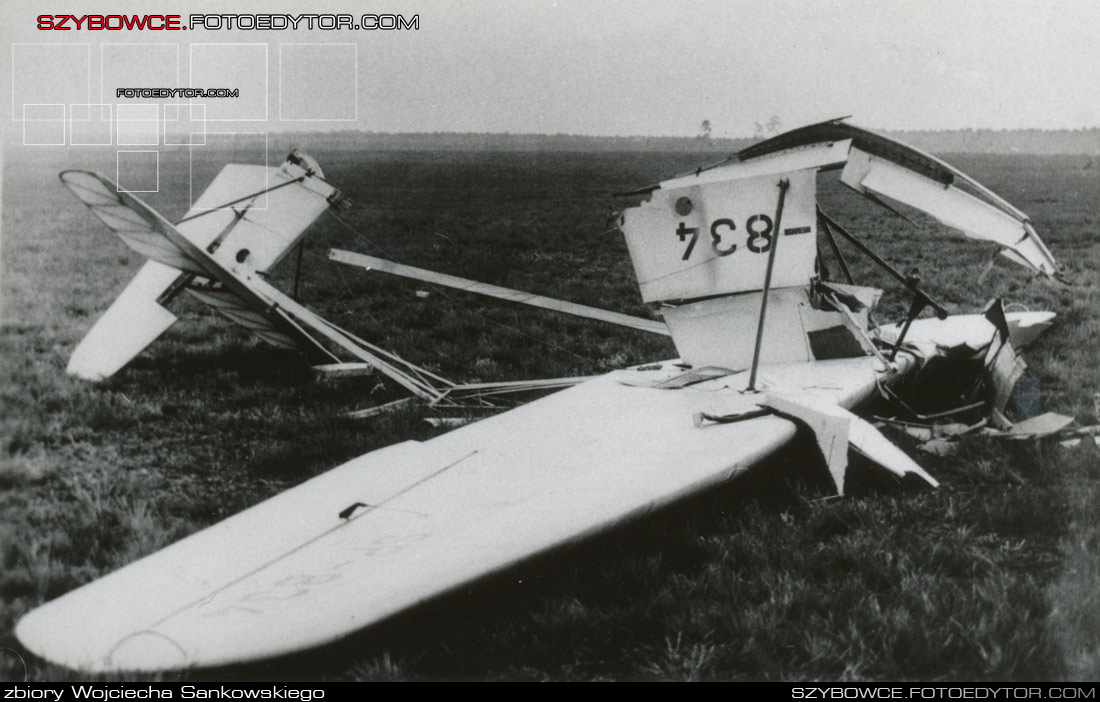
point(730, 253)
point(702, 248)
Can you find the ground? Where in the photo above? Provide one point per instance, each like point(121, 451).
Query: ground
point(996, 575)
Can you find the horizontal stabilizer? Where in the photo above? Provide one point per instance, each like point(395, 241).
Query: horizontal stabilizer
point(132, 322)
point(450, 281)
point(259, 210)
point(249, 300)
point(830, 424)
point(249, 215)
point(836, 429)
point(871, 444)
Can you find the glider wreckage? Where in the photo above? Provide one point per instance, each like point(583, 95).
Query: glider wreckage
point(728, 254)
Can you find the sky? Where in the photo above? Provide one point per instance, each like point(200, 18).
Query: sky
point(600, 68)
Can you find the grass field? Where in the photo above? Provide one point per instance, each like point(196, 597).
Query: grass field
point(994, 576)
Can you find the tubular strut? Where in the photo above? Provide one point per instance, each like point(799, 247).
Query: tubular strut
point(299, 179)
point(782, 185)
point(921, 299)
point(836, 250)
point(298, 270)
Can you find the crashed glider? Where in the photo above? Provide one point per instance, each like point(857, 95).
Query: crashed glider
point(768, 350)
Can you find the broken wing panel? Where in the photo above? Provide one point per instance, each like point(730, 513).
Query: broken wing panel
point(270, 326)
point(135, 223)
point(236, 299)
point(701, 240)
point(950, 205)
point(285, 202)
point(873, 445)
point(133, 321)
point(816, 156)
point(835, 428)
point(261, 210)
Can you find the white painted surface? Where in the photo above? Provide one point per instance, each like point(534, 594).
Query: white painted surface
point(449, 511)
point(836, 429)
point(829, 424)
point(950, 205)
point(974, 330)
point(812, 157)
point(722, 331)
point(271, 224)
point(871, 443)
point(442, 514)
point(659, 232)
point(132, 322)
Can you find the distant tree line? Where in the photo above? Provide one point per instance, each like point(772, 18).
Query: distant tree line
point(1030, 141)
point(1027, 141)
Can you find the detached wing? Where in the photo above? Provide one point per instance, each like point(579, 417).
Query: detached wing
point(878, 166)
point(256, 212)
point(240, 289)
point(171, 252)
point(398, 526)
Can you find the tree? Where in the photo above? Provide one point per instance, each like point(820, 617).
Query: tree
point(772, 127)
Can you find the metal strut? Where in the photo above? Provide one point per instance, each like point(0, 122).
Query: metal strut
point(921, 299)
point(836, 249)
point(783, 185)
point(299, 179)
point(298, 270)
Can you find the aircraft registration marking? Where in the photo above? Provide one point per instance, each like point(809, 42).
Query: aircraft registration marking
point(758, 226)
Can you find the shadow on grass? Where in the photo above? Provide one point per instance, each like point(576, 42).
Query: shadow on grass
point(565, 614)
point(249, 363)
